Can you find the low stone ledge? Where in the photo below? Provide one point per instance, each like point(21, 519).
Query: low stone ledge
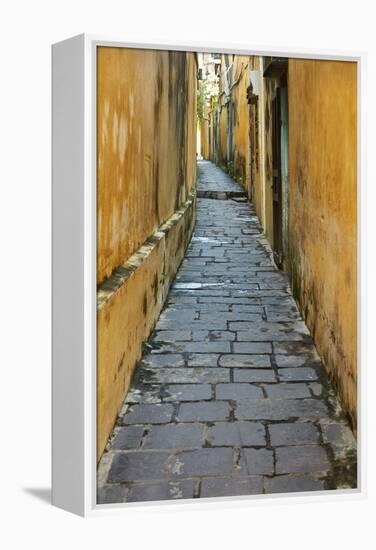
point(120, 275)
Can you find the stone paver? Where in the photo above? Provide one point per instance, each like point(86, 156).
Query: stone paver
point(138, 465)
point(286, 391)
point(159, 413)
point(127, 437)
point(258, 461)
point(205, 412)
point(301, 459)
point(186, 392)
point(230, 397)
point(281, 409)
point(237, 434)
point(227, 486)
point(257, 361)
point(174, 436)
point(294, 433)
point(293, 483)
point(203, 462)
point(143, 492)
point(252, 347)
point(298, 374)
point(237, 391)
point(254, 375)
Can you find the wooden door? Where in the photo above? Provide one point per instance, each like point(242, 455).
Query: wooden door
point(253, 141)
point(277, 179)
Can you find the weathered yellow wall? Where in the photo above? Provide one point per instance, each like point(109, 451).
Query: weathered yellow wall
point(323, 211)
point(240, 109)
point(146, 145)
point(146, 164)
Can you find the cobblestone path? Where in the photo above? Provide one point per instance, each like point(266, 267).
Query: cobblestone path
point(230, 397)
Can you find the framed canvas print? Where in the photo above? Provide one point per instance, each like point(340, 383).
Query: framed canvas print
point(206, 311)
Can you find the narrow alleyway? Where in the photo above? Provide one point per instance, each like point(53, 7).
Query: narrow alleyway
point(230, 397)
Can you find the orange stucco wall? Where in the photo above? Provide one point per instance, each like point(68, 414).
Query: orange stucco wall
point(240, 109)
point(146, 145)
point(323, 211)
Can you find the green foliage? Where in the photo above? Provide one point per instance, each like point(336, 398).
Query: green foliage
point(213, 102)
point(202, 97)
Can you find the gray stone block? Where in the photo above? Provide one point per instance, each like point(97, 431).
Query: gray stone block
point(295, 433)
point(202, 462)
point(172, 335)
point(252, 347)
point(287, 391)
point(229, 486)
point(186, 392)
point(303, 459)
point(221, 335)
point(203, 346)
point(236, 434)
point(339, 434)
point(296, 348)
point(271, 331)
point(280, 409)
point(111, 494)
point(187, 375)
point(172, 490)
point(316, 388)
point(174, 436)
point(291, 360)
point(206, 411)
point(140, 394)
point(138, 465)
point(341, 439)
point(292, 484)
point(297, 374)
point(203, 360)
point(237, 391)
point(238, 360)
point(257, 461)
point(127, 437)
point(157, 360)
point(254, 375)
point(149, 414)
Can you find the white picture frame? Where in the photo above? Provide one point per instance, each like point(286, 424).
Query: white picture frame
point(74, 271)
